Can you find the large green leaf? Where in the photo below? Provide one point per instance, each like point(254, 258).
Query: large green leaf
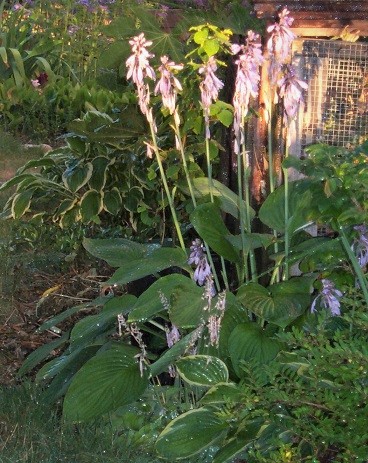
point(222, 393)
point(90, 205)
point(40, 354)
point(272, 212)
point(104, 383)
point(62, 370)
point(150, 302)
point(116, 251)
point(202, 370)
point(190, 433)
point(187, 305)
point(21, 203)
point(207, 220)
point(112, 201)
point(226, 198)
point(157, 260)
point(75, 176)
point(250, 343)
point(280, 303)
point(89, 328)
point(99, 174)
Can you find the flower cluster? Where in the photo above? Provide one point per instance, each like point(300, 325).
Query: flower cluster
point(133, 330)
point(209, 87)
point(215, 319)
point(279, 43)
point(329, 298)
point(198, 257)
point(360, 245)
point(168, 85)
point(291, 90)
point(138, 69)
point(246, 82)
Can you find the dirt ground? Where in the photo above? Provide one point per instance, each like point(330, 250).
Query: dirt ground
point(36, 296)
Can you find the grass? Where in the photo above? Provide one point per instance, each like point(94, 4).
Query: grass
point(32, 432)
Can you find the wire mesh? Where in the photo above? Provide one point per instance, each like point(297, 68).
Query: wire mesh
point(336, 104)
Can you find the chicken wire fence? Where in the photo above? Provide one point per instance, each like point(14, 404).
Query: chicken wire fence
point(336, 103)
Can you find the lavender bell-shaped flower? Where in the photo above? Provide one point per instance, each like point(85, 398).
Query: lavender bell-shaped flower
point(279, 43)
point(360, 245)
point(198, 257)
point(209, 87)
point(291, 90)
point(168, 85)
point(138, 69)
point(329, 298)
point(246, 82)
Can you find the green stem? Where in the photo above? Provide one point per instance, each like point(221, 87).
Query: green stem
point(253, 267)
point(167, 191)
point(191, 190)
point(210, 185)
point(354, 261)
point(286, 209)
point(271, 174)
point(242, 221)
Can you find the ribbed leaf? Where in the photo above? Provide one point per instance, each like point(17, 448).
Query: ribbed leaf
point(90, 205)
point(112, 201)
point(190, 433)
point(76, 176)
point(21, 203)
point(99, 174)
point(154, 262)
point(149, 303)
point(202, 370)
point(280, 303)
point(249, 342)
point(222, 393)
point(117, 251)
point(207, 220)
point(104, 383)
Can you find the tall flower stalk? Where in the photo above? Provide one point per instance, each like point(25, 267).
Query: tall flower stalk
point(246, 86)
point(291, 91)
point(209, 88)
point(168, 86)
point(139, 70)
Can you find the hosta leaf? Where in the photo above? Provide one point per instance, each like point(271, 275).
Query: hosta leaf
point(280, 303)
point(106, 382)
point(21, 203)
point(90, 205)
point(89, 328)
point(222, 393)
point(227, 199)
point(112, 201)
point(150, 302)
point(186, 305)
point(154, 262)
point(99, 174)
point(202, 370)
point(40, 354)
point(249, 342)
point(190, 433)
point(272, 212)
point(62, 370)
point(207, 220)
point(75, 176)
point(117, 251)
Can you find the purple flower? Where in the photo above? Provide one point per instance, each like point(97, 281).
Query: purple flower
point(279, 43)
point(246, 82)
point(172, 336)
point(360, 245)
point(209, 87)
point(168, 85)
point(139, 69)
point(198, 257)
point(329, 298)
point(291, 90)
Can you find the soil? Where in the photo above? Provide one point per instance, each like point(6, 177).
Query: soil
point(36, 296)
